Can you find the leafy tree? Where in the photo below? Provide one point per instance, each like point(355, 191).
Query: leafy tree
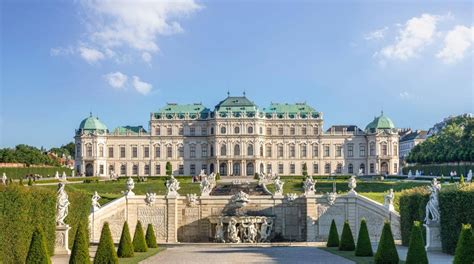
point(333, 239)
point(38, 253)
point(105, 250)
point(139, 242)
point(80, 248)
point(416, 249)
point(465, 246)
point(150, 237)
point(125, 247)
point(364, 247)
point(386, 251)
point(169, 168)
point(347, 240)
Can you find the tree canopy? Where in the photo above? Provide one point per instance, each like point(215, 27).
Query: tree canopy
point(30, 155)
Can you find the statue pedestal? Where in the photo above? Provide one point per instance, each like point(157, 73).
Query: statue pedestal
point(61, 246)
point(433, 237)
point(352, 192)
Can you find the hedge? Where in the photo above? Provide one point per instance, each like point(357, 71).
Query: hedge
point(18, 173)
point(364, 247)
point(125, 246)
point(37, 252)
point(139, 242)
point(465, 247)
point(80, 249)
point(416, 250)
point(456, 208)
point(412, 208)
point(79, 210)
point(347, 240)
point(386, 250)
point(333, 239)
point(106, 250)
point(439, 169)
point(150, 237)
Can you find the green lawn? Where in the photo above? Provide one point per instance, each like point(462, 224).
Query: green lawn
point(139, 256)
point(350, 255)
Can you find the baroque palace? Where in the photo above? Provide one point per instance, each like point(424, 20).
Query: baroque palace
point(237, 138)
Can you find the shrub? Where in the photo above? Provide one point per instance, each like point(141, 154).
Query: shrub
point(139, 242)
point(150, 237)
point(18, 173)
point(386, 250)
point(30, 182)
point(125, 247)
point(169, 168)
point(465, 246)
point(38, 253)
point(105, 250)
point(416, 250)
point(364, 247)
point(333, 239)
point(347, 240)
point(412, 208)
point(80, 248)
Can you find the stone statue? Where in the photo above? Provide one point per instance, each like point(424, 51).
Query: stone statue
point(240, 199)
point(62, 205)
point(130, 185)
point(352, 185)
point(95, 202)
point(219, 237)
point(173, 186)
point(291, 197)
point(206, 186)
point(250, 231)
point(361, 171)
point(73, 173)
point(308, 185)
point(332, 196)
point(4, 179)
point(278, 186)
point(410, 174)
point(192, 199)
point(388, 200)
point(150, 198)
point(56, 176)
point(212, 177)
point(261, 178)
point(417, 173)
point(432, 207)
point(63, 176)
point(232, 232)
point(266, 230)
point(469, 176)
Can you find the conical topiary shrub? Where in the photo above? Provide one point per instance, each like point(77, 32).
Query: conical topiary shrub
point(347, 240)
point(38, 252)
point(364, 247)
point(139, 243)
point(465, 247)
point(150, 237)
point(386, 251)
point(105, 250)
point(80, 248)
point(416, 249)
point(333, 239)
point(125, 247)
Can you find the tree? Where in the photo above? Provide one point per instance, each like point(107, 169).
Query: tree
point(333, 239)
point(125, 247)
point(105, 250)
point(364, 247)
point(150, 237)
point(347, 240)
point(38, 252)
point(80, 248)
point(169, 168)
point(465, 247)
point(139, 242)
point(386, 251)
point(305, 169)
point(416, 249)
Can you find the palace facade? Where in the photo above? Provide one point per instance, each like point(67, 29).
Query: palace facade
point(237, 138)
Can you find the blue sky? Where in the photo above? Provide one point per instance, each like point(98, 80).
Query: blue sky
point(62, 59)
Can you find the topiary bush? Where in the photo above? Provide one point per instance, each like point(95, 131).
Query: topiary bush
point(412, 208)
point(38, 253)
point(79, 210)
point(150, 237)
point(416, 250)
point(386, 250)
point(139, 242)
point(333, 239)
point(80, 248)
point(364, 247)
point(125, 247)
point(105, 250)
point(465, 246)
point(347, 240)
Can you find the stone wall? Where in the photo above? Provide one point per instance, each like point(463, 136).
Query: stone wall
point(306, 218)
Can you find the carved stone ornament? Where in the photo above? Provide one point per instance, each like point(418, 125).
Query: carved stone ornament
point(150, 198)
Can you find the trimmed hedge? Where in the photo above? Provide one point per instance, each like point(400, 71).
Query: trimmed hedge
point(80, 248)
point(386, 250)
point(333, 239)
point(125, 247)
point(150, 237)
point(105, 250)
point(465, 247)
point(18, 173)
point(347, 240)
point(364, 247)
point(439, 169)
point(412, 208)
point(79, 210)
point(38, 253)
point(139, 243)
point(416, 250)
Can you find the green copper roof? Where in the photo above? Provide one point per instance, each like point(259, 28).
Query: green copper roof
point(194, 110)
point(380, 122)
point(236, 104)
point(92, 123)
point(123, 130)
point(292, 109)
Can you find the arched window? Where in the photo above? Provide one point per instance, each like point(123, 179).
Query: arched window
point(327, 168)
point(250, 150)
point(280, 151)
point(261, 152)
point(237, 150)
point(223, 150)
point(135, 169)
point(212, 130)
point(212, 151)
point(89, 150)
point(223, 130)
point(362, 168)
point(123, 169)
point(395, 149)
point(383, 148)
point(372, 149)
point(236, 130)
point(101, 151)
point(350, 168)
point(250, 130)
point(268, 151)
point(339, 168)
point(157, 151)
point(303, 151)
point(111, 169)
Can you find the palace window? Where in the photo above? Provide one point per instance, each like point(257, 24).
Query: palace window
point(338, 151)
point(315, 168)
point(303, 130)
point(339, 168)
point(261, 130)
point(383, 147)
point(350, 168)
point(101, 169)
point(269, 168)
point(157, 151)
point(192, 131)
point(280, 168)
point(350, 150)
point(236, 130)
point(146, 152)
point(157, 131)
point(269, 151)
point(89, 150)
point(158, 169)
point(292, 151)
point(169, 131)
point(372, 168)
point(192, 169)
point(180, 151)
point(147, 169)
point(203, 131)
point(192, 151)
point(101, 151)
point(134, 152)
point(223, 150)
point(327, 168)
point(361, 150)
point(204, 167)
point(223, 130)
point(303, 151)
point(362, 168)
point(250, 130)
point(372, 149)
point(204, 150)
point(237, 150)
point(326, 151)
point(269, 131)
point(250, 150)
point(395, 168)
point(280, 151)
point(78, 149)
point(212, 151)
point(123, 169)
point(135, 169)
point(292, 168)
point(212, 130)
point(169, 152)
point(280, 131)
point(315, 130)
point(315, 151)
point(261, 151)
point(181, 169)
point(395, 150)
point(180, 131)
point(111, 169)
point(292, 130)
point(122, 152)
point(111, 152)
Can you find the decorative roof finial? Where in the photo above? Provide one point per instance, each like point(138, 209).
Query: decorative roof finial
point(228, 93)
point(244, 92)
point(90, 114)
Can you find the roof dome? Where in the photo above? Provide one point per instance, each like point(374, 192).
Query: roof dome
point(92, 123)
point(380, 122)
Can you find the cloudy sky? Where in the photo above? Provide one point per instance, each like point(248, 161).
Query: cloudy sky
point(61, 60)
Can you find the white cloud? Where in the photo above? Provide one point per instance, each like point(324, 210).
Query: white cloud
point(456, 43)
point(417, 33)
point(376, 34)
point(405, 95)
point(116, 79)
point(146, 57)
point(141, 87)
point(60, 51)
point(91, 55)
